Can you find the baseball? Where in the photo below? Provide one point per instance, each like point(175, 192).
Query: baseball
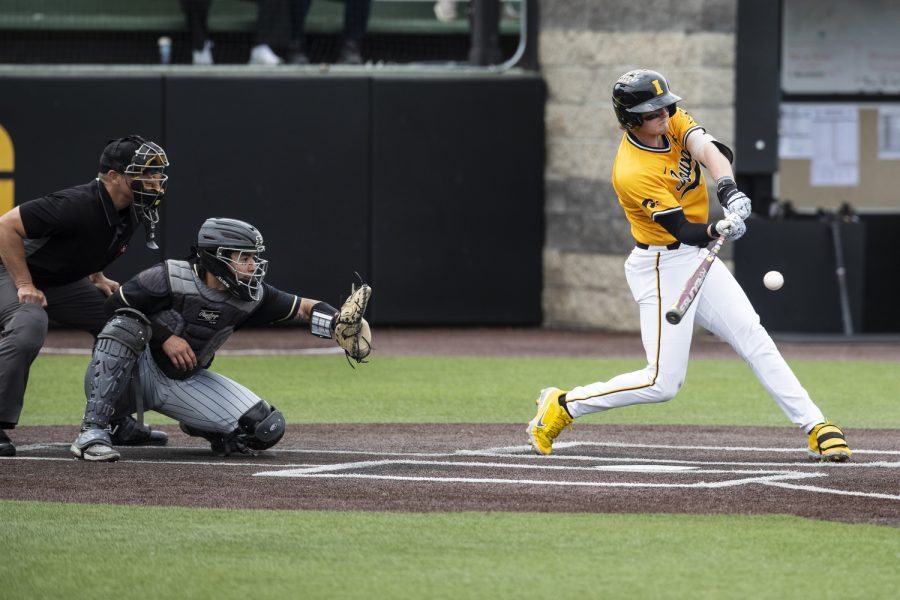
point(773, 280)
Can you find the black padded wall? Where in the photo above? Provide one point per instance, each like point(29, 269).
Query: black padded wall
point(290, 156)
point(457, 183)
point(60, 125)
point(430, 188)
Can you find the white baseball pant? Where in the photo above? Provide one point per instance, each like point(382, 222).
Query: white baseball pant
point(656, 277)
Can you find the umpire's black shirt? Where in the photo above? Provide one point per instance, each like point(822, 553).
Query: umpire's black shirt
point(73, 233)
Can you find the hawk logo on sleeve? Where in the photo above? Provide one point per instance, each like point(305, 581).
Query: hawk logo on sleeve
point(648, 203)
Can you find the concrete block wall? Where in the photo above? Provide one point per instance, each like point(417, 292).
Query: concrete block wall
point(585, 46)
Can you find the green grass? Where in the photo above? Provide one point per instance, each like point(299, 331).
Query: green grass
point(497, 390)
point(78, 551)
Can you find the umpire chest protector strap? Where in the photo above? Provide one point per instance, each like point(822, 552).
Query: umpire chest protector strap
point(204, 317)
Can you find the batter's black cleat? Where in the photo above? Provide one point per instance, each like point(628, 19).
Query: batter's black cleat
point(6, 445)
point(125, 432)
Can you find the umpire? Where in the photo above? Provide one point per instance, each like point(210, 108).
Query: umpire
point(53, 251)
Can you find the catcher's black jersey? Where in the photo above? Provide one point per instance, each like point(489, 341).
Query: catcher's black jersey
point(151, 293)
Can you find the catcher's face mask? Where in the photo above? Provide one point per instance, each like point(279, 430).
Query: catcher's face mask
point(247, 269)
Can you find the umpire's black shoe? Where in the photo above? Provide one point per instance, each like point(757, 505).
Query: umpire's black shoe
point(125, 432)
point(6, 445)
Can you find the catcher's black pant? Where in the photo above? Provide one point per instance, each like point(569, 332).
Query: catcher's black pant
point(23, 328)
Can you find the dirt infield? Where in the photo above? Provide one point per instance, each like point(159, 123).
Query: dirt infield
point(463, 467)
point(597, 468)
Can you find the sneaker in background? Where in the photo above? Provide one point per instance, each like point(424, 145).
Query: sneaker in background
point(445, 11)
point(263, 55)
point(350, 54)
point(204, 56)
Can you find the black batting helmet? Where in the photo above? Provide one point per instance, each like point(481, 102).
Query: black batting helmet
point(217, 242)
point(641, 91)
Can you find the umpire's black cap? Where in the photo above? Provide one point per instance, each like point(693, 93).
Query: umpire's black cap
point(119, 153)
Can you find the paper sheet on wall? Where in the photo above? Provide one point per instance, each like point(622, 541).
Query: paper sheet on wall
point(889, 132)
point(794, 130)
point(835, 139)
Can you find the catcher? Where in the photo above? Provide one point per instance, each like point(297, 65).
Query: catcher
point(169, 322)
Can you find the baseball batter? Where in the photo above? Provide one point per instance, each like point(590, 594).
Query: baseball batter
point(661, 188)
point(169, 322)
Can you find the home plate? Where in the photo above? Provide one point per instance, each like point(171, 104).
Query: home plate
point(645, 468)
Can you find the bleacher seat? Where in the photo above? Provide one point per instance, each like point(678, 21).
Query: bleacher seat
point(325, 16)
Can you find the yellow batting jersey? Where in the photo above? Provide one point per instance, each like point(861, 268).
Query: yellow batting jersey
point(656, 181)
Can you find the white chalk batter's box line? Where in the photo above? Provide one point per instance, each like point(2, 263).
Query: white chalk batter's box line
point(765, 476)
point(770, 474)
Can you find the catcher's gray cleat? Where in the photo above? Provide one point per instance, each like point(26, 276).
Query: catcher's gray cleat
point(94, 444)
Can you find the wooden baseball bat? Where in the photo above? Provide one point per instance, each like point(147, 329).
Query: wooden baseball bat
point(694, 282)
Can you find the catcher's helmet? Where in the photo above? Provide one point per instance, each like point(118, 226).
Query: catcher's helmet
point(641, 91)
point(146, 162)
point(217, 242)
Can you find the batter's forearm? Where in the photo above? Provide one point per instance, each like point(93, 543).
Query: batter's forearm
point(695, 234)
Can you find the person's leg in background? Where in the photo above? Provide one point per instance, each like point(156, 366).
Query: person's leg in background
point(196, 15)
point(356, 20)
point(298, 12)
point(267, 17)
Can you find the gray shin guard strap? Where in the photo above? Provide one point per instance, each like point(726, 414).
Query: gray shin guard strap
point(137, 394)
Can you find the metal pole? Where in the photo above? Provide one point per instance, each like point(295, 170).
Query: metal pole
point(841, 273)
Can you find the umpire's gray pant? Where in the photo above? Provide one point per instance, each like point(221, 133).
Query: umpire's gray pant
point(23, 328)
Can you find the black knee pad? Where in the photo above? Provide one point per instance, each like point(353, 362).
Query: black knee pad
point(129, 327)
point(262, 426)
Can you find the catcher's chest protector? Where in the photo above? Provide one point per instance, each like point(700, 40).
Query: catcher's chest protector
point(204, 317)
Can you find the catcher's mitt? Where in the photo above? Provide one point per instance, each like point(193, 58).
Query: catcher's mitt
point(352, 332)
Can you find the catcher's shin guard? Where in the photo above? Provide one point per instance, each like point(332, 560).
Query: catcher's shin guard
point(827, 443)
point(549, 421)
point(108, 375)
